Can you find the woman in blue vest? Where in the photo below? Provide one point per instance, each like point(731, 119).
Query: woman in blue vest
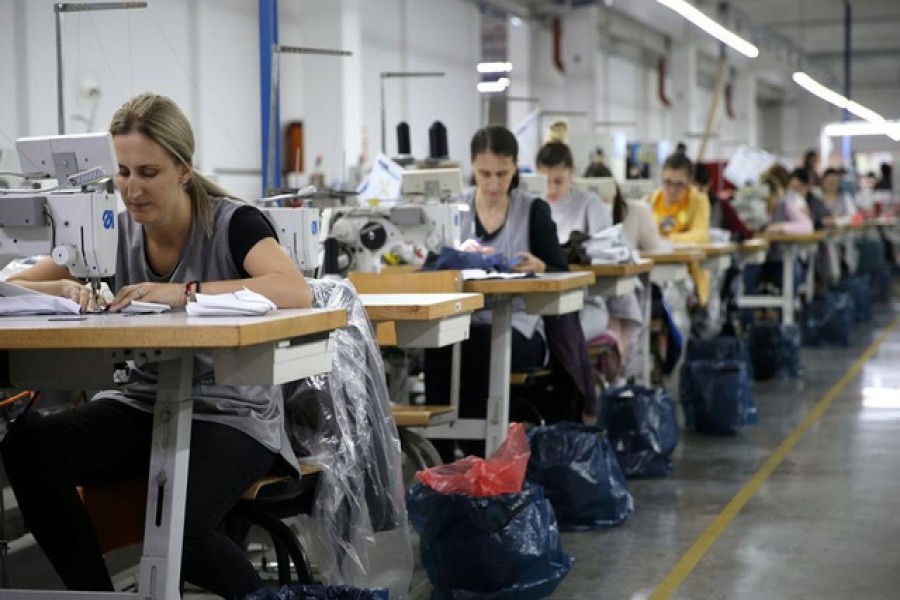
point(501, 219)
point(180, 233)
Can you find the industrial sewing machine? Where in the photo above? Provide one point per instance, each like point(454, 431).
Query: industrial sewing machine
point(74, 221)
point(423, 219)
point(297, 227)
point(367, 234)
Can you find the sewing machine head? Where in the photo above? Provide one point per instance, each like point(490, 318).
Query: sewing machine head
point(368, 234)
point(298, 233)
point(75, 220)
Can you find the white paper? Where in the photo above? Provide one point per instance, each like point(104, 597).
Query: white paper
point(240, 303)
point(383, 182)
point(38, 304)
point(468, 274)
point(145, 308)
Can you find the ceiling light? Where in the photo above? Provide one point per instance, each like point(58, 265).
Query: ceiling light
point(489, 87)
point(494, 67)
point(870, 116)
point(711, 27)
point(852, 128)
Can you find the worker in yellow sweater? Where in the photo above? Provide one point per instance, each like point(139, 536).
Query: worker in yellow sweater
point(682, 213)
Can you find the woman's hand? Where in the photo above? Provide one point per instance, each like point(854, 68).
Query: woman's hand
point(163, 293)
point(80, 293)
point(529, 263)
point(472, 245)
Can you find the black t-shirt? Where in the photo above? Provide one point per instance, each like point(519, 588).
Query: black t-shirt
point(248, 227)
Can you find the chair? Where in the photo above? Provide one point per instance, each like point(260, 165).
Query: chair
point(117, 512)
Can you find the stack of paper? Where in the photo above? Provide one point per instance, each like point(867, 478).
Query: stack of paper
point(240, 303)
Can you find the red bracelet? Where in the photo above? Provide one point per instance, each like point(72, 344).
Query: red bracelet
point(190, 289)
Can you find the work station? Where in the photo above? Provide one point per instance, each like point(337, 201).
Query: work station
point(448, 298)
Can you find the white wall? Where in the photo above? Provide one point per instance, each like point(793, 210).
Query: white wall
point(205, 55)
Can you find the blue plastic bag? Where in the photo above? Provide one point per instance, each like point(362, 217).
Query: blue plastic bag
point(498, 547)
point(580, 474)
point(643, 429)
point(318, 592)
point(715, 386)
point(774, 350)
point(828, 319)
point(857, 286)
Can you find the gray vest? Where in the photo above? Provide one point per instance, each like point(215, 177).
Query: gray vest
point(257, 411)
point(510, 240)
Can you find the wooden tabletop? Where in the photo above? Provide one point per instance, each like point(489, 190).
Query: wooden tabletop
point(780, 236)
point(419, 307)
point(541, 283)
point(718, 248)
point(168, 330)
point(754, 245)
point(606, 270)
point(676, 256)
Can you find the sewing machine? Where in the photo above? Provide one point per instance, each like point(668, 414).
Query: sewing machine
point(750, 204)
point(75, 221)
point(367, 234)
point(298, 233)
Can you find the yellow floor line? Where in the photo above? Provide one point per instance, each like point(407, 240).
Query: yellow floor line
point(689, 559)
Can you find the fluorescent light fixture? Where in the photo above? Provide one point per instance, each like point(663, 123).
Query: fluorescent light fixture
point(711, 27)
point(853, 128)
point(817, 89)
point(494, 67)
point(492, 87)
point(881, 126)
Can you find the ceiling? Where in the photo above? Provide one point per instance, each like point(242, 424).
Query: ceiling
point(803, 33)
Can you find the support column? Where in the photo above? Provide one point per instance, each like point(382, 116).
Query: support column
point(682, 81)
point(746, 116)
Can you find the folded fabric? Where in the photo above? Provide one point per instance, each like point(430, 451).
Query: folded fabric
point(145, 308)
point(451, 258)
point(610, 246)
point(38, 304)
point(241, 303)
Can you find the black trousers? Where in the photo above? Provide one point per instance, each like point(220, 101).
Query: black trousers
point(474, 377)
point(106, 441)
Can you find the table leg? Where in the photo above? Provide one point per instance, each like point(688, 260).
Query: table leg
point(160, 565)
point(787, 284)
point(501, 361)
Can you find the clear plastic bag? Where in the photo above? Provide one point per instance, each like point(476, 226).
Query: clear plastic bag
point(342, 422)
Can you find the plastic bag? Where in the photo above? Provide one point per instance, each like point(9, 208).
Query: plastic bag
point(715, 386)
point(643, 429)
point(502, 473)
point(774, 350)
point(342, 420)
point(580, 474)
point(503, 547)
point(318, 592)
point(828, 319)
point(857, 286)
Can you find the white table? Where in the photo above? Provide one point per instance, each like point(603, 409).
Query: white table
point(80, 353)
point(792, 245)
point(545, 294)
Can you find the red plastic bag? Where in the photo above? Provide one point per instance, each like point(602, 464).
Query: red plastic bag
point(502, 473)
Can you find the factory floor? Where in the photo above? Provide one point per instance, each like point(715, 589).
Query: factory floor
point(802, 506)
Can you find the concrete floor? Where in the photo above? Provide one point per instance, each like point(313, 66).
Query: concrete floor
point(824, 524)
